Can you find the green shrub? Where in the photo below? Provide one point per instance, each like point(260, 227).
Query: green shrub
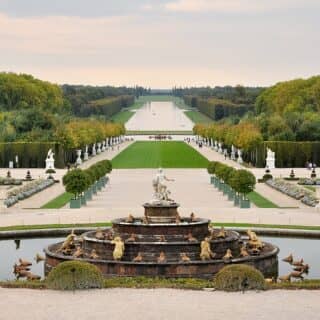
point(76, 181)
point(212, 167)
point(238, 277)
point(75, 275)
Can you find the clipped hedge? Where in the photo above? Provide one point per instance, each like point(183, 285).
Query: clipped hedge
point(239, 277)
point(289, 154)
point(217, 109)
point(31, 154)
point(107, 106)
point(75, 275)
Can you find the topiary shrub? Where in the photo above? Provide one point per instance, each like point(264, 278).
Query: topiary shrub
point(239, 277)
point(75, 275)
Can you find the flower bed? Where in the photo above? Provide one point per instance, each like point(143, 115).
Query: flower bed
point(26, 191)
point(10, 182)
point(305, 196)
point(309, 182)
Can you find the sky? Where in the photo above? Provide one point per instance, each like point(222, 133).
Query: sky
point(161, 43)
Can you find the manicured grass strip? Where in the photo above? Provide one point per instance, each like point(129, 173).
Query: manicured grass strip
point(198, 117)
point(312, 284)
point(108, 224)
point(157, 283)
point(122, 117)
point(155, 132)
point(58, 202)
point(173, 154)
point(269, 226)
point(55, 226)
point(260, 201)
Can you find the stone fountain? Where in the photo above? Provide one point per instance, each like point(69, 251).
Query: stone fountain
point(161, 243)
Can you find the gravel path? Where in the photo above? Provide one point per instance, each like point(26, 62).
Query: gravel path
point(164, 304)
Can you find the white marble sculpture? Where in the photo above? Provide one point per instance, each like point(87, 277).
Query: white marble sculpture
point(99, 147)
point(86, 154)
point(233, 153)
point(103, 147)
point(240, 160)
point(94, 152)
point(161, 192)
point(79, 161)
point(220, 147)
point(271, 159)
point(50, 160)
point(216, 148)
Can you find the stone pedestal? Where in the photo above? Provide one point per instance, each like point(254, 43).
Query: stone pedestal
point(162, 212)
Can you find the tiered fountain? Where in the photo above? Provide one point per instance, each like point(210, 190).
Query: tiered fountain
point(164, 244)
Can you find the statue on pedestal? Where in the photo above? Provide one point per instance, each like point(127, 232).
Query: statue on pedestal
point(161, 192)
point(271, 160)
point(50, 160)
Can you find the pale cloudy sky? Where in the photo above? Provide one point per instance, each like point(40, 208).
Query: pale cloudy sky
point(161, 43)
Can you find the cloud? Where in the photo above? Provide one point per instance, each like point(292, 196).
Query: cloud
point(235, 6)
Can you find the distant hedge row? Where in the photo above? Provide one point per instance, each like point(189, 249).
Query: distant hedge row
point(106, 107)
point(290, 154)
point(31, 154)
point(217, 109)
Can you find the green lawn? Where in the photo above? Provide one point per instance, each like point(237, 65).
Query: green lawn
point(166, 154)
point(108, 224)
point(122, 117)
point(58, 202)
point(198, 117)
point(260, 201)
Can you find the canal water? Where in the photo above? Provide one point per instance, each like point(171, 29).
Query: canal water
point(156, 115)
point(12, 250)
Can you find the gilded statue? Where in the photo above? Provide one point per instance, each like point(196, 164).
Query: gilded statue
point(206, 253)
point(118, 248)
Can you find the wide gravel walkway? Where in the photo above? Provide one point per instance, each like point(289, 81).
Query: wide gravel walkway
point(159, 304)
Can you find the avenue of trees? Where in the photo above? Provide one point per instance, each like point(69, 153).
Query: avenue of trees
point(287, 111)
point(32, 110)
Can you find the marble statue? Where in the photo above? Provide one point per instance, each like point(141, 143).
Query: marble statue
point(240, 160)
point(161, 192)
point(50, 160)
point(233, 153)
point(86, 154)
point(79, 161)
point(271, 159)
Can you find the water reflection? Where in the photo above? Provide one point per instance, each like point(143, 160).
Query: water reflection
point(12, 250)
point(155, 115)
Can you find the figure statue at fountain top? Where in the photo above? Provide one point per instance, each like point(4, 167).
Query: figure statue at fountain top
point(161, 192)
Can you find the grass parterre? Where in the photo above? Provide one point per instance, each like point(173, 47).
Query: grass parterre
point(145, 154)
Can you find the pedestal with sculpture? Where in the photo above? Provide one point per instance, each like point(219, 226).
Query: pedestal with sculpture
point(163, 243)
